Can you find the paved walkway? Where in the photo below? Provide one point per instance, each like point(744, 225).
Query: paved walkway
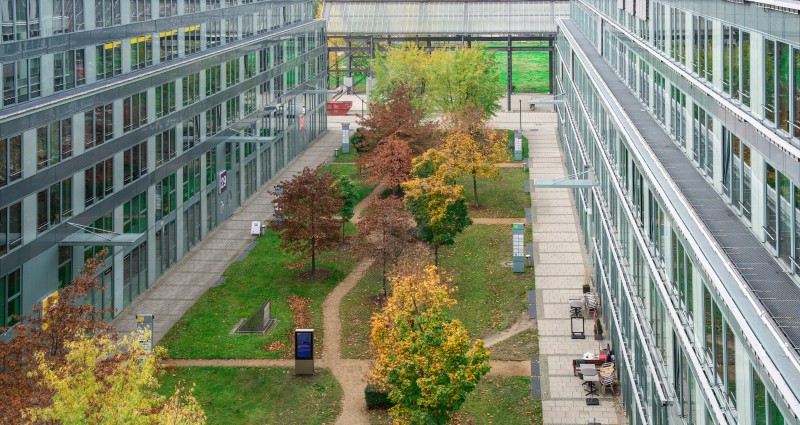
point(182, 285)
point(561, 270)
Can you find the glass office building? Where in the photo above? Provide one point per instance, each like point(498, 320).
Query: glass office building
point(152, 119)
point(687, 114)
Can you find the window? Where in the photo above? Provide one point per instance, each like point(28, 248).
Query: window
point(765, 411)
point(232, 110)
point(250, 65)
point(54, 204)
point(211, 166)
point(134, 274)
point(191, 132)
point(191, 6)
point(98, 125)
point(191, 88)
point(167, 8)
point(141, 52)
point(165, 146)
point(682, 276)
point(68, 69)
point(191, 38)
point(213, 33)
point(165, 192)
point(213, 80)
point(231, 29)
point(703, 51)
point(168, 45)
point(21, 80)
point(12, 297)
point(134, 214)
point(703, 146)
point(213, 4)
point(99, 181)
point(678, 116)
point(64, 266)
point(249, 101)
point(140, 10)
point(191, 179)
point(53, 143)
point(231, 72)
point(659, 85)
point(656, 227)
point(213, 120)
point(165, 99)
point(107, 13)
point(678, 21)
point(720, 346)
point(104, 223)
point(109, 59)
point(247, 25)
point(778, 78)
point(736, 172)
point(134, 111)
point(263, 60)
point(20, 20)
point(10, 159)
point(192, 225)
point(135, 162)
point(10, 227)
point(67, 15)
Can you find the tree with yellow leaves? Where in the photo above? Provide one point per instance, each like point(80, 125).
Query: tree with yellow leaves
point(107, 382)
point(472, 148)
point(424, 358)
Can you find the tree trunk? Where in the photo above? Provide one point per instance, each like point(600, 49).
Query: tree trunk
point(436, 255)
point(475, 187)
point(385, 293)
point(313, 256)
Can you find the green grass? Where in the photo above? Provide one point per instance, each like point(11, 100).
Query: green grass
point(511, 146)
point(490, 296)
point(529, 70)
point(495, 400)
point(356, 310)
point(362, 187)
point(346, 157)
point(519, 347)
point(249, 395)
point(204, 331)
point(501, 198)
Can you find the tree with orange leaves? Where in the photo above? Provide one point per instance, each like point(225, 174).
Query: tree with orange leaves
point(422, 357)
point(383, 230)
point(389, 163)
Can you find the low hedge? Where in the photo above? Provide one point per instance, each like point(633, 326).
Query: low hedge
point(377, 399)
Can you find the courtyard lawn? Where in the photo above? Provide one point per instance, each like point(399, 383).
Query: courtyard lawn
point(495, 400)
point(362, 187)
point(521, 346)
point(249, 395)
point(502, 198)
point(355, 313)
point(266, 273)
point(349, 157)
point(490, 297)
point(529, 70)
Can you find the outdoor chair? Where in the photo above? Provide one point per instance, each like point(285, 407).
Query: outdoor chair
point(608, 379)
point(590, 303)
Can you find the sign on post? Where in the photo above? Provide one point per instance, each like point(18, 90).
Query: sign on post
point(144, 331)
point(517, 145)
point(304, 351)
point(518, 246)
point(345, 137)
point(222, 181)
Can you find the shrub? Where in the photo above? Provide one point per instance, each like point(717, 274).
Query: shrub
point(377, 399)
point(357, 140)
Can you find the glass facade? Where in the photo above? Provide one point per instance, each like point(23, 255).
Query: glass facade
point(126, 131)
point(724, 96)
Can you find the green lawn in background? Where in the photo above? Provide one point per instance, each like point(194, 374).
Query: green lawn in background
point(519, 347)
point(249, 395)
point(495, 400)
point(503, 198)
point(266, 273)
point(530, 71)
point(362, 187)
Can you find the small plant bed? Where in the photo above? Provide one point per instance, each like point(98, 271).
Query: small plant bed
point(362, 187)
point(495, 400)
point(490, 297)
point(356, 313)
point(503, 198)
point(521, 346)
point(266, 273)
point(511, 146)
point(347, 158)
point(249, 395)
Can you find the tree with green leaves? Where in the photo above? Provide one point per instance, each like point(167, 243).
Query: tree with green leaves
point(439, 209)
point(422, 357)
point(347, 193)
point(464, 76)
